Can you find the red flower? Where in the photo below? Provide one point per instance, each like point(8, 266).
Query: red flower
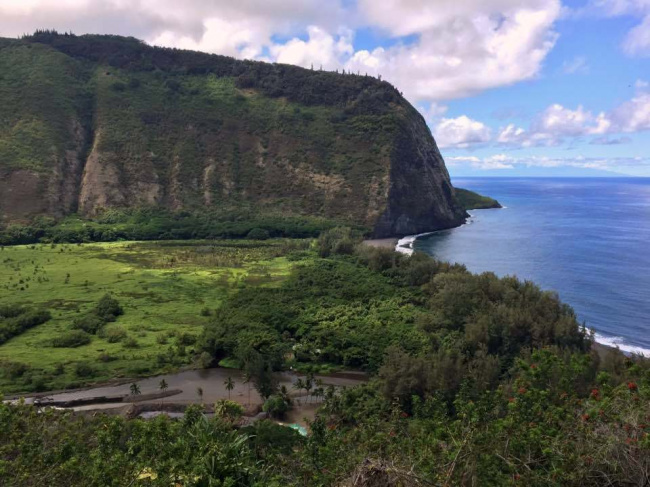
point(404, 415)
point(585, 417)
point(595, 393)
point(522, 390)
point(517, 476)
point(632, 386)
point(533, 366)
point(511, 399)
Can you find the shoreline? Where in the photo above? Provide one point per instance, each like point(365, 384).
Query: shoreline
point(601, 342)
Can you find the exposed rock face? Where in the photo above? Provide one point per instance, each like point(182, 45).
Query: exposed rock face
point(281, 139)
point(421, 197)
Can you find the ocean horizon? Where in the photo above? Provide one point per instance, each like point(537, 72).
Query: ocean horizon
point(588, 239)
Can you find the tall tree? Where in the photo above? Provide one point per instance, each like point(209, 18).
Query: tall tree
point(230, 385)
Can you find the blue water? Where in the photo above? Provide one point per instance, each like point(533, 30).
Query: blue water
point(587, 239)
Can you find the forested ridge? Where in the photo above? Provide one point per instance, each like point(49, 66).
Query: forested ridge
point(98, 122)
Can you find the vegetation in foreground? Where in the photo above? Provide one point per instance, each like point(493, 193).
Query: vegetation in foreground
point(476, 381)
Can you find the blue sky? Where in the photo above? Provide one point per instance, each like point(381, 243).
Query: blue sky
point(508, 87)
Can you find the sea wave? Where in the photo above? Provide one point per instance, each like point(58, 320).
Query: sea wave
point(619, 342)
point(405, 244)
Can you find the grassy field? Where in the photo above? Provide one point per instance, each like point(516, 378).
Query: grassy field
point(168, 291)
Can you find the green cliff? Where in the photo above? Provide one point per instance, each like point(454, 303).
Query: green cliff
point(95, 122)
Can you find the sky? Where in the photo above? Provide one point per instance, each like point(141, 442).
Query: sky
point(508, 87)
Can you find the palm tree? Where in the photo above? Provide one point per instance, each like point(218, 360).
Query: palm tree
point(247, 380)
point(199, 392)
point(230, 385)
point(284, 394)
point(135, 389)
point(299, 385)
point(319, 392)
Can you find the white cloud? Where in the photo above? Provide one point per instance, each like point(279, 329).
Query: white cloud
point(462, 47)
point(577, 65)
point(239, 29)
point(461, 132)
point(498, 161)
point(457, 48)
point(637, 40)
point(634, 115)
point(320, 49)
point(501, 161)
point(556, 123)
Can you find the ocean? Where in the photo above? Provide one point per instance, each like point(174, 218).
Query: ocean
point(586, 238)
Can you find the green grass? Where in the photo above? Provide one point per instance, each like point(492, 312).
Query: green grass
point(165, 288)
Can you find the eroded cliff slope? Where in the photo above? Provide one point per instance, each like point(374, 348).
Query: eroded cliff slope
point(95, 122)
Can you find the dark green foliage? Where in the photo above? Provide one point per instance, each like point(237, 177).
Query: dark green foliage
point(340, 240)
point(84, 370)
point(480, 381)
point(71, 339)
point(108, 308)
point(469, 200)
point(268, 438)
point(258, 234)
point(113, 334)
point(348, 310)
point(276, 406)
point(259, 367)
point(361, 94)
point(90, 323)
point(547, 424)
point(159, 224)
point(15, 320)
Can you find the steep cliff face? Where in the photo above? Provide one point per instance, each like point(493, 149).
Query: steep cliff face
point(89, 123)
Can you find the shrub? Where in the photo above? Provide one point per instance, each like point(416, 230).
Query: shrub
point(17, 320)
point(340, 240)
point(118, 86)
point(114, 334)
point(108, 308)
point(106, 357)
point(90, 323)
point(84, 369)
point(14, 370)
point(225, 408)
point(276, 406)
point(258, 234)
point(71, 339)
point(184, 339)
point(130, 342)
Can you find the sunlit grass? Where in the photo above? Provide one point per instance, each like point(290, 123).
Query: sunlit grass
point(165, 288)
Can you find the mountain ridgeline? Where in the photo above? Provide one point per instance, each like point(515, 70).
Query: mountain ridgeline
point(89, 123)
